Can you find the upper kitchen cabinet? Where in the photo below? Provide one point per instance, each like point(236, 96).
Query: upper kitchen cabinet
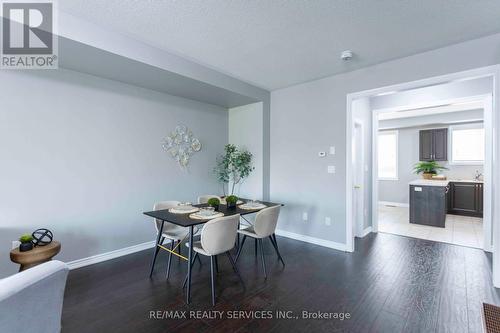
point(434, 144)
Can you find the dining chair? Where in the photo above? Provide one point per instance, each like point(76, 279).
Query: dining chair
point(203, 199)
point(264, 226)
point(172, 232)
point(217, 237)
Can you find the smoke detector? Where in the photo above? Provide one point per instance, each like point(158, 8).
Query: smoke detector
point(346, 55)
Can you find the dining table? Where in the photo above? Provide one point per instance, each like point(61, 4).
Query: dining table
point(184, 220)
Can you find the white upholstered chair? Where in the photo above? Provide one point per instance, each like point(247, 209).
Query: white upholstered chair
point(217, 237)
point(171, 232)
point(203, 199)
point(32, 300)
point(264, 227)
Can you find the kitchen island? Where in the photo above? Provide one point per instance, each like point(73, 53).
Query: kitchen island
point(431, 200)
point(428, 202)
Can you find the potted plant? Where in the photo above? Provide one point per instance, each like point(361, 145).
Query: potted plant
point(233, 167)
point(231, 201)
point(428, 169)
point(214, 202)
point(26, 242)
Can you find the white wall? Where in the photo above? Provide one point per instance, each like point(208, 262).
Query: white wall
point(246, 131)
point(308, 117)
point(82, 156)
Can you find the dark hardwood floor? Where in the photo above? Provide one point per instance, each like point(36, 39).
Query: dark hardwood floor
point(390, 284)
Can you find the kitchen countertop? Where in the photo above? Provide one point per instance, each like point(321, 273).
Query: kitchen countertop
point(443, 183)
point(428, 182)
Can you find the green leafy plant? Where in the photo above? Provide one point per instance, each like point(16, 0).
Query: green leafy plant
point(431, 167)
point(26, 238)
point(233, 167)
point(213, 202)
point(232, 200)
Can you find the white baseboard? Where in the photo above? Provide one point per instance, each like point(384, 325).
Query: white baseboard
point(396, 204)
point(365, 232)
point(312, 240)
point(109, 255)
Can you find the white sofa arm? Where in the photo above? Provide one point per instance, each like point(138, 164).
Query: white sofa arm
point(31, 301)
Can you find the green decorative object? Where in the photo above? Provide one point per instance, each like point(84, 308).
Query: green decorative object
point(214, 202)
point(231, 201)
point(26, 243)
point(428, 169)
point(233, 167)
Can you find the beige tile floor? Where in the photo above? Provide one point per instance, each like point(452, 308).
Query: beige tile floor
point(459, 230)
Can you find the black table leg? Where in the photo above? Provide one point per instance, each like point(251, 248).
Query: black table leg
point(238, 238)
point(190, 257)
point(159, 240)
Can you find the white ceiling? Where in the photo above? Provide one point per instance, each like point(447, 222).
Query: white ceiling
point(427, 111)
point(278, 43)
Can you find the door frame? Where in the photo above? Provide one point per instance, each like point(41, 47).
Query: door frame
point(491, 205)
point(358, 230)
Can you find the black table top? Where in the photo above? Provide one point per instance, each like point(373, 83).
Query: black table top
point(184, 220)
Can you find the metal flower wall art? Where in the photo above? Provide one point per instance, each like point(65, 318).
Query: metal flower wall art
point(181, 145)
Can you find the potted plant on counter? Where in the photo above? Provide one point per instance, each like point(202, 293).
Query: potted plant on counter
point(231, 201)
point(214, 202)
point(26, 243)
point(428, 169)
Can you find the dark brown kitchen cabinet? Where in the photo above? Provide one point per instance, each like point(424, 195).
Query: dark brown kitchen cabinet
point(433, 144)
point(465, 199)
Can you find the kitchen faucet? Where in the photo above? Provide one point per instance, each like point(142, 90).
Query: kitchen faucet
point(478, 175)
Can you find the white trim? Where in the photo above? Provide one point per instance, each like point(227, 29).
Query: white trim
point(365, 232)
point(492, 179)
point(109, 255)
point(311, 240)
point(396, 204)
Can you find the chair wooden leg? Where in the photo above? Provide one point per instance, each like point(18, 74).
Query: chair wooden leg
point(155, 254)
point(170, 258)
point(212, 278)
point(261, 243)
point(276, 248)
point(240, 248)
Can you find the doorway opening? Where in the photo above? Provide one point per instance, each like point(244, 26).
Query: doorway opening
point(407, 106)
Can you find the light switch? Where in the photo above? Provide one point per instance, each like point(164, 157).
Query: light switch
point(304, 216)
point(332, 150)
point(331, 169)
point(328, 221)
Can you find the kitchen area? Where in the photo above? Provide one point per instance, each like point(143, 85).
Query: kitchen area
point(431, 183)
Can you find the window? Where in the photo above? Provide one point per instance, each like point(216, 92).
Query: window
point(388, 155)
point(467, 144)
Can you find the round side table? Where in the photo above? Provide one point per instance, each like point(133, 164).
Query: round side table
point(38, 255)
